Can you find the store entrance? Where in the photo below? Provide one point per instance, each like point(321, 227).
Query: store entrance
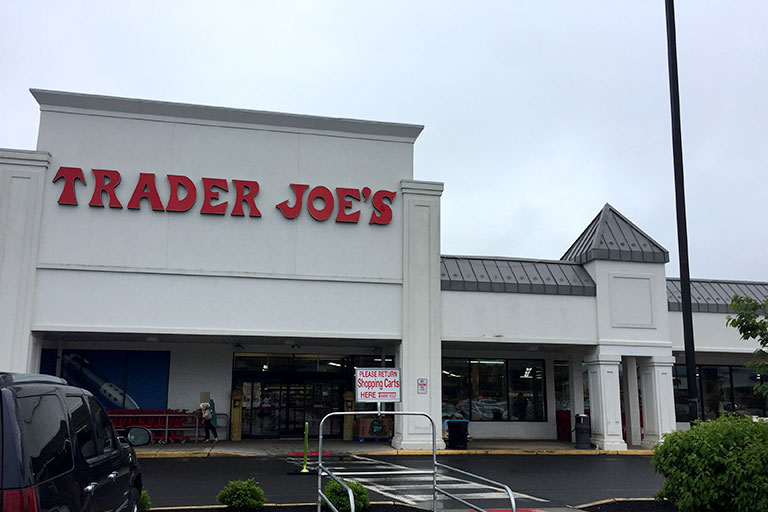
point(282, 391)
point(277, 405)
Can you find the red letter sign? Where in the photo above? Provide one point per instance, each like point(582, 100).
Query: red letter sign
point(146, 189)
point(342, 194)
point(70, 175)
point(245, 192)
point(384, 215)
point(181, 205)
point(106, 181)
point(324, 194)
point(210, 194)
point(293, 211)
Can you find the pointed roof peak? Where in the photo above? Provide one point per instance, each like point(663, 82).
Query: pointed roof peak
point(611, 236)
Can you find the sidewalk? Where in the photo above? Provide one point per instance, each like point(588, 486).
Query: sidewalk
point(337, 447)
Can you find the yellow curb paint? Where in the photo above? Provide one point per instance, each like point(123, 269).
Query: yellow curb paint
point(266, 505)
point(193, 507)
point(229, 454)
point(612, 500)
point(197, 454)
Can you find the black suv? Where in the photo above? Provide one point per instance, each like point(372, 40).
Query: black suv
point(59, 451)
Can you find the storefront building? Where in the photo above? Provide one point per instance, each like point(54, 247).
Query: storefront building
point(156, 251)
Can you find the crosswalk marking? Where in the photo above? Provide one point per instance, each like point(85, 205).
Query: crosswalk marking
point(405, 488)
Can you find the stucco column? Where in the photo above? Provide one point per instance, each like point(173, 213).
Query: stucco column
point(419, 354)
point(21, 202)
point(576, 389)
point(604, 401)
point(658, 398)
point(631, 401)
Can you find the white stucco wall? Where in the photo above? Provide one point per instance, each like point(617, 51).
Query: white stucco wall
point(79, 300)
point(631, 302)
point(710, 334)
point(518, 317)
point(144, 270)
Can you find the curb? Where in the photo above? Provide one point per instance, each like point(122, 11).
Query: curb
point(510, 452)
point(160, 454)
point(612, 500)
point(266, 506)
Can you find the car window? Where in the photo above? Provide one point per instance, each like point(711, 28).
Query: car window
point(46, 436)
point(85, 441)
point(105, 434)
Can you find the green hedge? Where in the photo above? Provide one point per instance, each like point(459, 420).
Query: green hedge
point(242, 495)
point(340, 499)
point(717, 465)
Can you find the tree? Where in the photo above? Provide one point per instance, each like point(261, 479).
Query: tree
point(752, 323)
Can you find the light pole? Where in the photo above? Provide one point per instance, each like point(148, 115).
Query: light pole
point(682, 230)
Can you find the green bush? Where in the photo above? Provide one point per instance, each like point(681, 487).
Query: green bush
point(717, 465)
point(242, 495)
point(144, 503)
point(340, 499)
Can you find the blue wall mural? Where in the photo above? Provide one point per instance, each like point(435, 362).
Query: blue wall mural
point(121, 379)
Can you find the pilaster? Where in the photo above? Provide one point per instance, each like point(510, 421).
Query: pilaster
point(658, 398)
point(22, 176)
point(604, 401)
point(419, 354)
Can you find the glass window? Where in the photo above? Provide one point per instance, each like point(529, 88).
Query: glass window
point(526, 390)
point(81, 424)
point(680, 389)
point(489, 390)
point(715, 390)
point(562, 386)
point(105, 435)
point(373, 361)
point(745, 400)
point(46, 436)
point(455, 379)
point(331, 364)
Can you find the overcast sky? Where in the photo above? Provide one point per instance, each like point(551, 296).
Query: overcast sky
point(536, 113)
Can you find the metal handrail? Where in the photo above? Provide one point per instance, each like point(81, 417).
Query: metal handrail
point(323, 470)
point(341, 482)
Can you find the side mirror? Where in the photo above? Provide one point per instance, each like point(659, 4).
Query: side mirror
point(138, 436)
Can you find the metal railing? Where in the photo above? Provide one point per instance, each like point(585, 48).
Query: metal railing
point(322, 470)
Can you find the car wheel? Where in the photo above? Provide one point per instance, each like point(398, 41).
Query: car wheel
point(133, 500)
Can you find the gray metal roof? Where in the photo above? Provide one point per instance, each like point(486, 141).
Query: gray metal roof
point(611, 236)
point(472, 273)
point(713, 296)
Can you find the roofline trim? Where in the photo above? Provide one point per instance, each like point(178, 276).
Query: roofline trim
point(134, 106)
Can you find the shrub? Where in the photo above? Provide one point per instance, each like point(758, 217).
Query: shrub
point(717, 465)
point(242, 495)
point(144, 503)
point(340, 499)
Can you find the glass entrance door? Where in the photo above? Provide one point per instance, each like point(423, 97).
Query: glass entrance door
point(281, 392)
point(298, 395)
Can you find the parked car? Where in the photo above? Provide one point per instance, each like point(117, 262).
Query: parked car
point(59, 450)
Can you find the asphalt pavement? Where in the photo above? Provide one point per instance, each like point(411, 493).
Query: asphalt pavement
point(539, 481)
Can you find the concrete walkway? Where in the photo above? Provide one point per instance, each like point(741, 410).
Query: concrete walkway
point(336, 447)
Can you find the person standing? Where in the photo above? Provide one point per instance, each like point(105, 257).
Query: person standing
point(209, 420)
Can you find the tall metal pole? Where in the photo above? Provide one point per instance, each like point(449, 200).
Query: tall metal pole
point(682, 230)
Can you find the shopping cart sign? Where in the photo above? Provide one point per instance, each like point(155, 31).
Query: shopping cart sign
point(377, 384)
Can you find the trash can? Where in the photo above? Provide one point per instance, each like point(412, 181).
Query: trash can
point(457, 434)
point(582, 432)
